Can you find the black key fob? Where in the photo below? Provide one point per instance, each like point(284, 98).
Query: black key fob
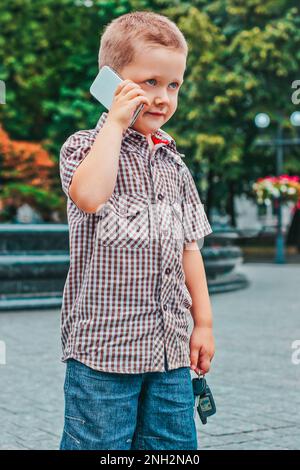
point(204, 399)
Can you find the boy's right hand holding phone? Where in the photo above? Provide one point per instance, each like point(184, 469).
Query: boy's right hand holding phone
point(95, 178)
point(128, 96)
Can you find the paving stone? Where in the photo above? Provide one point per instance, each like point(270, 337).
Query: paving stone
point(255, 384)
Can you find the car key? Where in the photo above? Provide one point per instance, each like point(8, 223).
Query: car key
point(204, 399)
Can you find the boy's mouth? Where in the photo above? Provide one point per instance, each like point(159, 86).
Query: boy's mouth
point(155, 114)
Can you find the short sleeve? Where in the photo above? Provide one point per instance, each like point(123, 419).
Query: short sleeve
point(72, 153)
point(195, 222)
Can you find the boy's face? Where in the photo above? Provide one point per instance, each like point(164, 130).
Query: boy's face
point(159, 72)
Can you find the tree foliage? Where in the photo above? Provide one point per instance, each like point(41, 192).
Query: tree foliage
point(243, 57)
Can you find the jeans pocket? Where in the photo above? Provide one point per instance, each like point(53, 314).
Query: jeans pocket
point(74, 431)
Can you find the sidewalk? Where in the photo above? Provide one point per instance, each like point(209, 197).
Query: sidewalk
point(255, 384)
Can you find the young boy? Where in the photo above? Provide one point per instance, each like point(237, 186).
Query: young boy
point(135, 267)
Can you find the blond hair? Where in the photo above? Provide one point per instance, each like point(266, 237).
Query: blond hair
point(121, 35)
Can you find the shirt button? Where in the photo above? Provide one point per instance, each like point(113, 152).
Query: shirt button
point(168, 270)
point(165, 306)
point(160, 196)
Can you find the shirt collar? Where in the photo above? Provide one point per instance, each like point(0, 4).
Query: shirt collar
point(160, 136)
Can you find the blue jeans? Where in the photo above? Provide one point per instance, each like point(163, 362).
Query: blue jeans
point(115, 411)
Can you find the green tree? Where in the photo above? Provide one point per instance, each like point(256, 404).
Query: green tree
point(243, 57)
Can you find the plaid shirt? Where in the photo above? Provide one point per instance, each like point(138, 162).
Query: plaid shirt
point(125, 302)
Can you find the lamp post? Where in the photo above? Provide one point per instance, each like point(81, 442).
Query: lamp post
point(262, 120)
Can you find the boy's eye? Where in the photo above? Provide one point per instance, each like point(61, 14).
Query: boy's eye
point(153, 80)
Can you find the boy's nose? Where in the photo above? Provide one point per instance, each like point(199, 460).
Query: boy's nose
point(161, 100)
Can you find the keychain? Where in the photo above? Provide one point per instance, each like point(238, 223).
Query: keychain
point(204, 399)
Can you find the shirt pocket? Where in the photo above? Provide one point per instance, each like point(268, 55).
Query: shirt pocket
point(124, 222)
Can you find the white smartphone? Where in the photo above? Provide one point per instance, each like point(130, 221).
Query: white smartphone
point(104, 86)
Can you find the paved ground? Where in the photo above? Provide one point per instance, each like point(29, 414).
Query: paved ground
point(255, 384)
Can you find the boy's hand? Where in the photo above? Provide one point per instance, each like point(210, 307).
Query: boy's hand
point(202, 349)
point(128, 96)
